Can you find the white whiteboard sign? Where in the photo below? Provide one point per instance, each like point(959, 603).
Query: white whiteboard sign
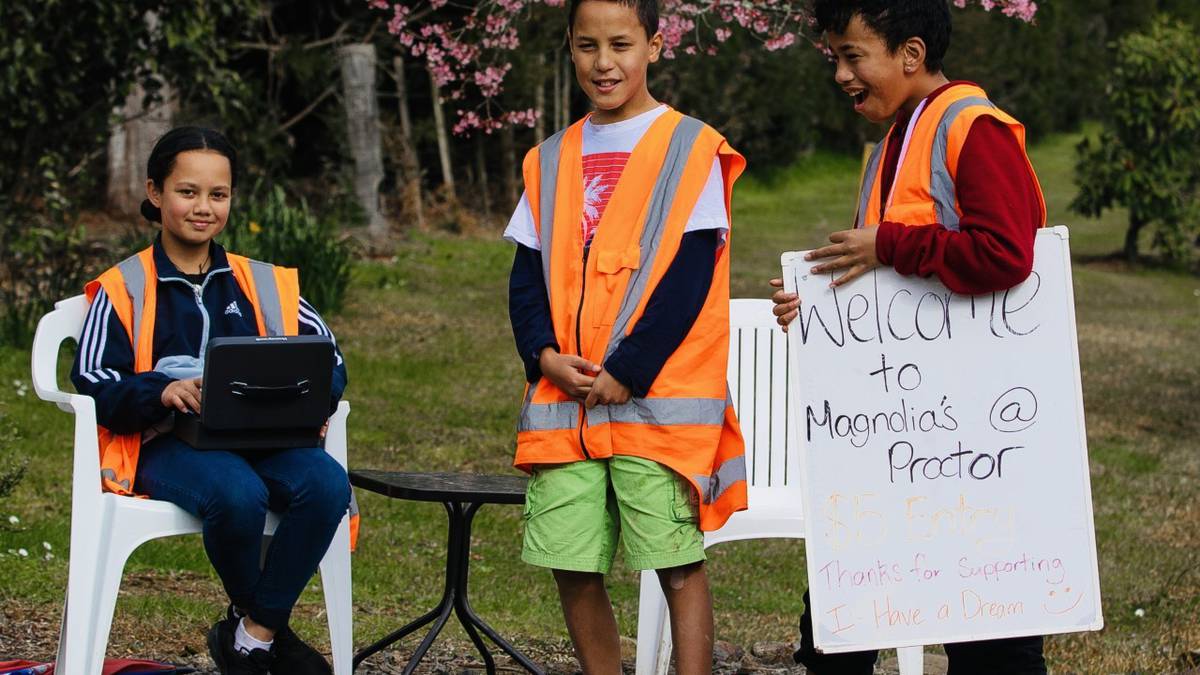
point(944, 457)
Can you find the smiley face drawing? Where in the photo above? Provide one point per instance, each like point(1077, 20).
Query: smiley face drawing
point(1062, 600)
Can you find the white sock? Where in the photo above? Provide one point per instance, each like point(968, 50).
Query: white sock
point(245, 642)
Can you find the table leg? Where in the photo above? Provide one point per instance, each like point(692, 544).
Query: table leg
point(501, 642)
point(439, 614)
point(489, 663)
point(454, 600)
point(466, 614)
point(395, 636)
point(460, 598)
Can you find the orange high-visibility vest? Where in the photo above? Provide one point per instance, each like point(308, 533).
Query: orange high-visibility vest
point(923, 190)
point(686, 421)
point(132, 288)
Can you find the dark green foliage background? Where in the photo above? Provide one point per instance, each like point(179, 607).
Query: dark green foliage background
point(266, 72)
point(1145, 157)
point(268, 225)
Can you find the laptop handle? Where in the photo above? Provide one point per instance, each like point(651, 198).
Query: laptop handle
point(265, 393)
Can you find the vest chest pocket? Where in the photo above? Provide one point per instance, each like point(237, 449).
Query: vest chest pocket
point(615, 268)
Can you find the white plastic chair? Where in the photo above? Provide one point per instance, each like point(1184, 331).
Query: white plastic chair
point(758, 383)
point(106, 528)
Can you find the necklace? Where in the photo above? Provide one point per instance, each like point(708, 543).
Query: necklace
point(207, 262)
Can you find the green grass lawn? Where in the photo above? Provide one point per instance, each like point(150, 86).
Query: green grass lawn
point(435, 383)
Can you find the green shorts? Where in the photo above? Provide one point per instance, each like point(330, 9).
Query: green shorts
point(575, 512)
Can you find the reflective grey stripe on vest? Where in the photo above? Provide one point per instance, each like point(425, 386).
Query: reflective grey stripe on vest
point(548, 154)
point(661, 412)
point(110, 475)
point(661, 199)
point(547, 416)
point(868, 184)
point(135, 285)
point(268, 296)
point(732, 471)
point(941, 185)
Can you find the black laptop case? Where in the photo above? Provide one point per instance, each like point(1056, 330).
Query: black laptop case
point(261, 393)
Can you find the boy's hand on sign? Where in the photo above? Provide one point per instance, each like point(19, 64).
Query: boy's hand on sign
point(606, 390)
point(182, 395)
point(854, 251)
point(573, 374)
point(787, 305)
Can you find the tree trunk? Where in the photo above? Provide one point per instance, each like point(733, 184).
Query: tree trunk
point(565, 66)
point(362, 130)
point(539, 101)
point(508, 152)
point(481, 175)
point(131, 140)
point(409, 162)
point(443, 139)
point(557, 102)
point(129, 146)
point(1136, 223)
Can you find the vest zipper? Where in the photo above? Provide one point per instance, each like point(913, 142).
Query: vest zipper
point(198, 291)
point(579, 348)
point(204, 316)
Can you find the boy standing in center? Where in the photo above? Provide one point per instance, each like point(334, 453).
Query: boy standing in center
point(619, 301)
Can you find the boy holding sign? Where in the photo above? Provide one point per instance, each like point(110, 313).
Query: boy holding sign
point(950, 192)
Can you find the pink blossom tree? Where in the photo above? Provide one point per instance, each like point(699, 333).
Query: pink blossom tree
point(467, 46)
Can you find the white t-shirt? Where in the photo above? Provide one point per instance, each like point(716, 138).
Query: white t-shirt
point(606, 149)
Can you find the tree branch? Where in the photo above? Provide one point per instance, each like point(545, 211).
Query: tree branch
point(262, 46)
point(329, 91)
point(336, 37)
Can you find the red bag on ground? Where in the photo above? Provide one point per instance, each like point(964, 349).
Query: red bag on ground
point(111, 667)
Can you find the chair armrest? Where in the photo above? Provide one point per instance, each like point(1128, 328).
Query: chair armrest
point(86, 463)
point(46, 387)
point(335, 436)
point(60, 398)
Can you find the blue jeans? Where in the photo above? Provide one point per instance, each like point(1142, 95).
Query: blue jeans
point(230, 492)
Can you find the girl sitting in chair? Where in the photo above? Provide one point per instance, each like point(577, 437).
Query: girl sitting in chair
point(140, 358)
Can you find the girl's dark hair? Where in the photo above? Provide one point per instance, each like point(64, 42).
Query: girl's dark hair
point(647, 13)
point(175, 141)
point(893, 20)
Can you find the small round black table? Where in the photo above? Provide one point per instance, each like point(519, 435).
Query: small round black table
point(462, 495)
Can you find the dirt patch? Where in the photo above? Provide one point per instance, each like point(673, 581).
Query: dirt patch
point(1177, 526)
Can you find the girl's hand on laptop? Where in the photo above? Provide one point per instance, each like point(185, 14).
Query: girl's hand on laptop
point(787, 305)
point(182, 395)
point(606, 390)
point(568, 372)
point(854, 251)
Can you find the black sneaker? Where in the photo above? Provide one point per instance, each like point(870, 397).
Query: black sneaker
point(229, 660)
point(294, 656)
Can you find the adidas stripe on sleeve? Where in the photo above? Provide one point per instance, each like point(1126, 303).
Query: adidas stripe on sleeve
point(310, 318)
point(94, 339)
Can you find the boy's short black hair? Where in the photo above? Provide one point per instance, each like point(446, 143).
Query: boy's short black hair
point(895, 21)
point(647, 13)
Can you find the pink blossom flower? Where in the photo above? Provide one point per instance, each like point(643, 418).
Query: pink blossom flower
point(465, 49)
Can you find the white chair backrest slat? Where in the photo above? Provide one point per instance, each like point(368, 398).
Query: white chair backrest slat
point(758, 357)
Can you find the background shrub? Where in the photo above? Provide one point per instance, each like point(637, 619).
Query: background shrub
point(45, 258)
point(1146, 156)
point(265, 226)
point(11, 471)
